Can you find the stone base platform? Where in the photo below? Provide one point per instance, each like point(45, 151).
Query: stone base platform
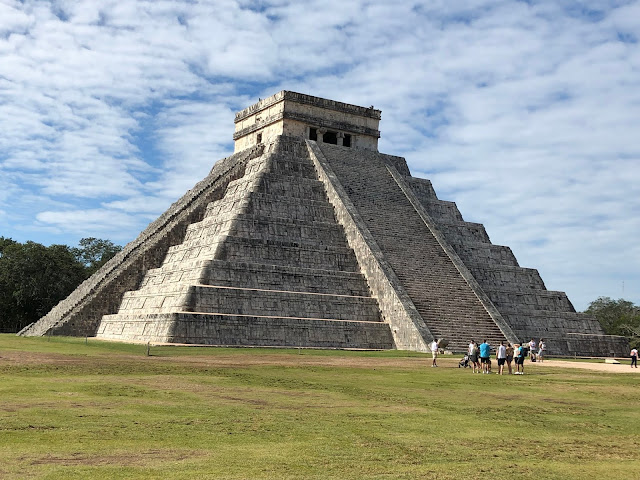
point(239, 330)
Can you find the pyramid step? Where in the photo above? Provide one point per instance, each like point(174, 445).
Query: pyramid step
point(180, 274)
point(287, 174)
point(532, 299)
point(279, 185)
point(167, 286)
point(462, 232)
point(286, 230)
point(169, 299)
point(192, 250)
point(293, 168)
point(299, 253)
point(485, 252)
point(275, 206)
point(273, 277)
point(209, 228)
point(441, 210)
point(257, 227)
point(545, 322)
point(536, 311)
point(287, 253)
point(245, 301)
point(292, 208)
point(258, 275)
point(238, 330)
point(506, 276)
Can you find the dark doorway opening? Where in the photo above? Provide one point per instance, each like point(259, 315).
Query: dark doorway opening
point(330, 137)
point(347, 140)
point(313, 134)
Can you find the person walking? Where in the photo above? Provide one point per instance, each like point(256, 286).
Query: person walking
point(541, 350)
point(501, 355)
point(509, 357)
point(434, 353)
point(485, 356)
point(634, 357)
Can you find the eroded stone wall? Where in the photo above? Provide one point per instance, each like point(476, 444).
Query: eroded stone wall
point(267, 265)
point(80, 313)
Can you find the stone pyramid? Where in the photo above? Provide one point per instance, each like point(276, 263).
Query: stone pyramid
point(307, 236)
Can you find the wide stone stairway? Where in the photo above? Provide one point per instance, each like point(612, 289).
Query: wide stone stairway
point(268, 265)
point(449, 307)
point(518, 293)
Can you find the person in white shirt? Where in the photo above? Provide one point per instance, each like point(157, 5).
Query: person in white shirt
point(541, 350)
point(532, 350)
point(634, 357)
point(434, 352)
point(473, 356)
point(501, 355)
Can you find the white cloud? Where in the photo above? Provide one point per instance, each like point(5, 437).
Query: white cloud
point(86, 223)
point(524, 113)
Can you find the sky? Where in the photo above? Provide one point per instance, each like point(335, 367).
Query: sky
point(525, 113)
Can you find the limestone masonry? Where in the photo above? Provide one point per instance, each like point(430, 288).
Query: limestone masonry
point(307, 236)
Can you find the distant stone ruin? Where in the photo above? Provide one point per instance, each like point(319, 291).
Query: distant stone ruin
point(307, 236)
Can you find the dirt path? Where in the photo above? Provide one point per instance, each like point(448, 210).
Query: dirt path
point(599, 367)
point(232, 359)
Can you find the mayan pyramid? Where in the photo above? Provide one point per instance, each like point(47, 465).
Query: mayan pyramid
point(307, 236)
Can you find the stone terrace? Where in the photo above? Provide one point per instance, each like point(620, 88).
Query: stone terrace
point(267, 265)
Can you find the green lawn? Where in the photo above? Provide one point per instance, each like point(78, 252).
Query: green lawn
point(103, 410)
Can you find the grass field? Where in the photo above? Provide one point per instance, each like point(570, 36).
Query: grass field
point(103, 410)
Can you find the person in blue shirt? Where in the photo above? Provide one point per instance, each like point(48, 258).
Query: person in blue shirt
point(485, 356)
point(519, 360)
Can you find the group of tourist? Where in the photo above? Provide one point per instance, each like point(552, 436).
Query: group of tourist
point(480, 356)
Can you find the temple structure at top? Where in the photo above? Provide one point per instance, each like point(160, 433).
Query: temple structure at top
point(307, 236)
point(303, 116)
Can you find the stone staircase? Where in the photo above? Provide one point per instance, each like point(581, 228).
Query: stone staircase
point(267, 265)
point(448, 305)
point(518, 293)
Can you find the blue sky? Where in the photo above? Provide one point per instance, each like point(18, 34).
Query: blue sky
point(524, 113)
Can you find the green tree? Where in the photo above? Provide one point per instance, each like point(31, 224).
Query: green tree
point(95, 252)
point(617, 317)
point(33, 279)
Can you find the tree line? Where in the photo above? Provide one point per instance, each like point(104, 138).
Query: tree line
point(617, 317)
point(34, 278)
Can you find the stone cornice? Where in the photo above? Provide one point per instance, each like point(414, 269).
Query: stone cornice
point(307, 100)
point(310, 120)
